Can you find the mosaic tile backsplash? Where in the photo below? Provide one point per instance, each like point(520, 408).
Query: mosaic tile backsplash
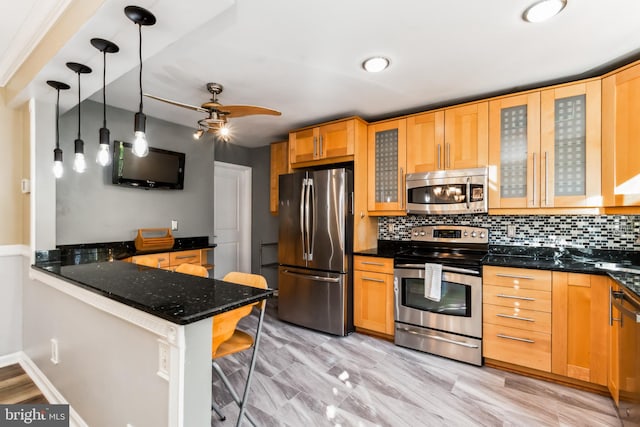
point(620, 232)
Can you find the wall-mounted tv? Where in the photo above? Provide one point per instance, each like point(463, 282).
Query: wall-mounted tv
point(159, 169)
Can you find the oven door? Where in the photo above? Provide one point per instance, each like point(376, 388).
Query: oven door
point(447, 192)
point(459, 309)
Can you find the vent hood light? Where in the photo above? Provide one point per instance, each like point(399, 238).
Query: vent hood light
point(375, 64)
point(543, 10)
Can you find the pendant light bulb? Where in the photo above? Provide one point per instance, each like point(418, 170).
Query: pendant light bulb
point(140, 145)
point(58, 169)
point(79, 162)
point(103, 156)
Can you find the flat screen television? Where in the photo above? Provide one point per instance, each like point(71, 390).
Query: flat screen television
point(159, 169)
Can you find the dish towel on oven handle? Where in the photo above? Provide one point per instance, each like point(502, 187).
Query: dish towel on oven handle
point(432, 281)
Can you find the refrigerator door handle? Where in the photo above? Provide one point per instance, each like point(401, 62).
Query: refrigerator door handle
point(310, 215)
point(302, 218)
point(312, 277)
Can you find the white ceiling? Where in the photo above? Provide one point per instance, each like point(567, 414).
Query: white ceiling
point(304, 58)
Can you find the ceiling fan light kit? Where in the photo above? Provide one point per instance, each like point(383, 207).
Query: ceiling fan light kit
point(140, 16)
point(543, 10)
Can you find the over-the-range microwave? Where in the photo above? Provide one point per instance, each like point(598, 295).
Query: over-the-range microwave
point(458, 191)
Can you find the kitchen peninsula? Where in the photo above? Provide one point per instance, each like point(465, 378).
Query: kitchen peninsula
point(138, 338)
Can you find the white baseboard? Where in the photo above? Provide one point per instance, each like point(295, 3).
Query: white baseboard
point(42, 382)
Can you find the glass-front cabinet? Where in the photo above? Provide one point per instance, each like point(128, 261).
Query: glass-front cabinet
point(544, 148)
point(386, 155)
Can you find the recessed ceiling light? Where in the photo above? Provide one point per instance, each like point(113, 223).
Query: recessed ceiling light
point(375, 64)
point(543, 10)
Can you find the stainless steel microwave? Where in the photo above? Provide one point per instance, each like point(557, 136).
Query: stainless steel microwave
point(458, 191)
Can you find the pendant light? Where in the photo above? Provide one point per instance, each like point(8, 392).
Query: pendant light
point(79, 162)
point(58, 169)
point(103, 157)
point(141, 17)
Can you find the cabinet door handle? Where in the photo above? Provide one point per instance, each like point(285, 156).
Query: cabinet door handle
point(320, 146)
point(314, 148)
point(185, 256)
point(515, 297)
point(371, 279)
point(379, 264)
point(447, 155)
point(509, 337)
point(401, 189)
point(535, 179)
point(439, 162)
point(546, 178)
point(508, 316)
point(514, 276)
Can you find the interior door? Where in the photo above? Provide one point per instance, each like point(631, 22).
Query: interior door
point(232, 219)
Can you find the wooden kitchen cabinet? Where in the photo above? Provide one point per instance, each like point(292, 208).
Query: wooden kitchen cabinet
point(614, 352)
point(170, 260)
point(580, 327)
point(328, 143)
point(517, 316)
point(454, 138)
point(620, 130)
point(544, 148)
point(279, 166)
point(373, 294)
point(386, 153)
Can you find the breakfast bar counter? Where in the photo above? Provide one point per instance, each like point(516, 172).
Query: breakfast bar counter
point(138, 338)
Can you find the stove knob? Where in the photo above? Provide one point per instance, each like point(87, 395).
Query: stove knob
point(482, 235)
point(422, 233)
point(474, 234)
point(466, 234)
point(415, 233)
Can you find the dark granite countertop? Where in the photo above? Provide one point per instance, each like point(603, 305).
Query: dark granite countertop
point(571, 260)
point(176, 297)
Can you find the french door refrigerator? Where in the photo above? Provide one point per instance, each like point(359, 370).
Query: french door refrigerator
point(315, 287)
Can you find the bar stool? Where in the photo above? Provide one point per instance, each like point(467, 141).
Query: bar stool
point(227, 340)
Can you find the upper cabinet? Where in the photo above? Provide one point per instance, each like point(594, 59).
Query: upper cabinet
point(386, 153)
point(329, 143)
point(542, 144)
point(279, 166)
point(620, 130)
point(454, 138)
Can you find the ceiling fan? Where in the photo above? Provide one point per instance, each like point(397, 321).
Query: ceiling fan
point(216, 121)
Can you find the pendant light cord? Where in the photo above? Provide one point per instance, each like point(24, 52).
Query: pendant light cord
point(140, 58)
point(57, 120)
point(79, 108)
point(104, 90)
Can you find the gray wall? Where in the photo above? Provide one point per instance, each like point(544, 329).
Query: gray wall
point(90, 209)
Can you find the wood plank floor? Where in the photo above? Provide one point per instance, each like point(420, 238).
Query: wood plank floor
point(313, 379)
point(17, 387)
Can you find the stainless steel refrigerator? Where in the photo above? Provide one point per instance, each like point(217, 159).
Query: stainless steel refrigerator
point(315, 286)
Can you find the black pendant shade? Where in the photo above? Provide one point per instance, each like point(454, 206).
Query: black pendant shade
point(79, 163)
point(140, 15)
point(57, 152)
point(103, 157)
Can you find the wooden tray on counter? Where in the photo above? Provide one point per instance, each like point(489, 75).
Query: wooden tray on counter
point(154, 239)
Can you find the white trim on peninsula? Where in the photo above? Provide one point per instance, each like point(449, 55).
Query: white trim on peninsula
point(14, 250)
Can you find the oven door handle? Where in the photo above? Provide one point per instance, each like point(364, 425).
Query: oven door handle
point(436, 337)
point(444, 268)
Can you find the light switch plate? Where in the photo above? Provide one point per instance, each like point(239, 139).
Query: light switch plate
point(174, 224)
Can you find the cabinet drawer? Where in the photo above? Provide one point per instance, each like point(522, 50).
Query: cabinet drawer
point(519, 318)
point(517, 298)
point(521, 278)
point(162, 258)
point(181, 257)
point(368, 263)
point(525, 348)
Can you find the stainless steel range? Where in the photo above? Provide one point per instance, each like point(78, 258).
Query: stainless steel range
point(438, 291)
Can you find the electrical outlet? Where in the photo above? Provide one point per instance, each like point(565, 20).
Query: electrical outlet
point(54, 351)
point(391, 228)
point(511, 230)
point(163, 359)
point(174, 224)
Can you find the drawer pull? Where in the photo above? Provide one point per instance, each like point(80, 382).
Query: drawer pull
point(515, 338)
point(371, 279)
point(378, 264)
point(515, 297)
point(185, 256)
point(514, 276)
point(508, 316)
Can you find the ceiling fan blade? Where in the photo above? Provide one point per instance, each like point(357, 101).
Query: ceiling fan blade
point(247, 110)
point(176, 103)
